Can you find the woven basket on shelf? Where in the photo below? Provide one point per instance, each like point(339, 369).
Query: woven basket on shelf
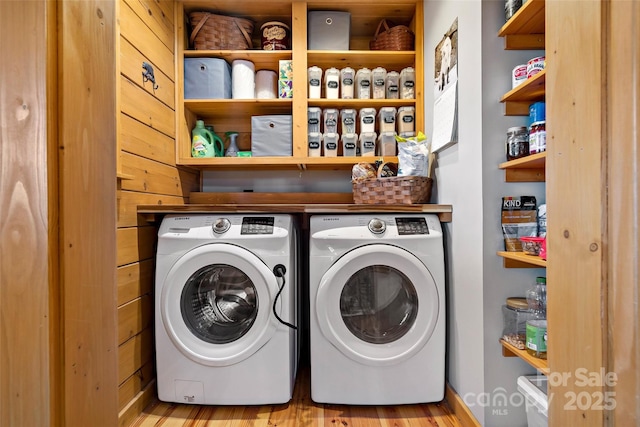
point(219, 32)
point(400, 190)
point(394, 37)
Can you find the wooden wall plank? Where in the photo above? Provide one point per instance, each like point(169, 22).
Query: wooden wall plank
point(135, 384)
point(133, 29)
point(152, 177)
point(133, 354)
point(24, 217)
point(137, 405)
point(576, 198)
point(87, 204)
point(135, 280)
point(128, 202)
point(623, 69)
point(134, 316)
point(131, 61)
point(137, 103)
point(155, 18)
point(135, 244)
point(138, 138)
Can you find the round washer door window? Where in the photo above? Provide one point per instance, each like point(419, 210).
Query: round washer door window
point(377, 304)
point(215, 304)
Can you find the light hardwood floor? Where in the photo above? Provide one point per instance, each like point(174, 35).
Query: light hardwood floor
point(300, 412)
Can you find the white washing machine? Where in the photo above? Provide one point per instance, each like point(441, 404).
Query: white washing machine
point(226, 309)
point(377, 307)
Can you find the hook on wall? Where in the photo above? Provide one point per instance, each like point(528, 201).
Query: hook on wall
point(147, 74)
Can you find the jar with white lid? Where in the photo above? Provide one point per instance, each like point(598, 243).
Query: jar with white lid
point(314, 76)
point(392, 85)
point(368, 144)
point(363, 83)
point(347, 82)
point(332, 83)
point(367, 119)
point(378, 76)
point(387, 119)
point(330, 144)
point(407, 83)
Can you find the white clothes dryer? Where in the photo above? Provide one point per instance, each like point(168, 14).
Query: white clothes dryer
point(377, 307)
point(226, 308)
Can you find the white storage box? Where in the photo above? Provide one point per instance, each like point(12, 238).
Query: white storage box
point(207, 78)
point(328, 30)
point(271, 135)
point(534, 388)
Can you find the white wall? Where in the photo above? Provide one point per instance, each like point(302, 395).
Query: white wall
point(468, 178)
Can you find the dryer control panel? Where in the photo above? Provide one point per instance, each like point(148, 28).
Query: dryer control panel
point(412, 225)
point(257, 225)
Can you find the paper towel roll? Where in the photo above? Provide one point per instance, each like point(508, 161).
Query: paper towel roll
point(243, 79)
point(266, 84)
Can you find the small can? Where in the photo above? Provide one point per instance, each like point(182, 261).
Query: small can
point(537, 112)
point(511, 7)
point(535, 65)
point(275, 36)
point(518, 75)
point(537, 137)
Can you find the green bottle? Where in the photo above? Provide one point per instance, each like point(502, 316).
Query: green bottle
point(201, 141)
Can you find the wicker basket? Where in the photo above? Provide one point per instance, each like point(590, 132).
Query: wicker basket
point(398, 37)
point(219, 32)
point(397, 190)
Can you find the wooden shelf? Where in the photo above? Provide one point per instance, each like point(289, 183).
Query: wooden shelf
point(510, 351)
point(279, 163)
point(518, 99)
point(227, 108)
point(392, 60)
point(360, 103)
point(525, 29)
point(526, 169)
point(262, 59)
point(521, 260)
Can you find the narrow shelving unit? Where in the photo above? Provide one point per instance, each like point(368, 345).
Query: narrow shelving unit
point(521, 260)
point(527, 169)
point(509, 350)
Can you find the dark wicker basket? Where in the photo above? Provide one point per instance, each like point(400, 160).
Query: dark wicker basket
point(219, 32)
point(394, 37)
point(397, 190)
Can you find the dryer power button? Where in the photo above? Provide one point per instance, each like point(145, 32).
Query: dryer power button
point(377, 226)
point(221, 225)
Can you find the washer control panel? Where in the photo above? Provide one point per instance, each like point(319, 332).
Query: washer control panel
point(221, 225)
point(412, 225)
point(377, 226)
point(257, 225)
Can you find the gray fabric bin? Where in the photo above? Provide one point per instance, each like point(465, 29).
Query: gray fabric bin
point(328, 30)
point(271, 135)
point(207, 78)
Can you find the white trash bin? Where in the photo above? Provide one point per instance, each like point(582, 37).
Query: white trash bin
point(534, 389)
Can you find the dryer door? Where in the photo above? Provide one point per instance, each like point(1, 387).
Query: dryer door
point(216, 304)
point(378, 304)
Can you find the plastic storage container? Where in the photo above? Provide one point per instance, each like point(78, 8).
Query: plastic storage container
point(408, 83)
point(515, 315)
point(392, 85)
point(368, 144)
point(332, 83)
point(378, 76)
point(314, 77)
point(331, 144)
point(349, 145)
point(387, 119)
point(534, 388)
point(347, 82)
point(405, 121)
point(387, 144)
point(330, 120)
point(315, 144)
point(363, 83)
point(367, 119)
point(314, 116)
point(348, 119)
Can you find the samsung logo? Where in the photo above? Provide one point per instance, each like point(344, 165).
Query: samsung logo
point(181, 218)
point(331, 219)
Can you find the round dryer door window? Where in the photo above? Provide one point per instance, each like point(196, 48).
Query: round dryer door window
point(216, 304)
point(377, 304)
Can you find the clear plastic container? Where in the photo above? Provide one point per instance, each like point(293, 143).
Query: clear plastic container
point(330, 144)
point(349, 144)
point(315, 144)
point(348, 120)
point(368, 144)
point(378, 76)
point(515, 315)
point(314, 76)
point(408, 83)
point(367, 119)
point(392, 85)
point(363, 83)
point(330, 120)
point(405, 121)
point(314, 116)
point(387, 119)
point(347, 82)
point(332, 83)
point(387, 144)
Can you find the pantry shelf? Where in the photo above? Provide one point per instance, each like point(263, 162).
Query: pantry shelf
point(521, 260)
point(510, 351)
point(360, 103)
point(525, 29)
point(234, 107)
point(392, 60)
point(262, 59)
point(518, 99)
point(281, 163)
point(526, 169)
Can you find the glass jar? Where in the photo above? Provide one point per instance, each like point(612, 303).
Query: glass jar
point(517, 142)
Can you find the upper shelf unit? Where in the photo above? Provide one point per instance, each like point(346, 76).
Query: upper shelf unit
point(235, 115)
point(525, 29)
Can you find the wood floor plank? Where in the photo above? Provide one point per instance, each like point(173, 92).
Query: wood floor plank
point(301, 411)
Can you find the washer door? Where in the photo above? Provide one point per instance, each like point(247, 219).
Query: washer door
point(216, 304)
point(377, 304)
